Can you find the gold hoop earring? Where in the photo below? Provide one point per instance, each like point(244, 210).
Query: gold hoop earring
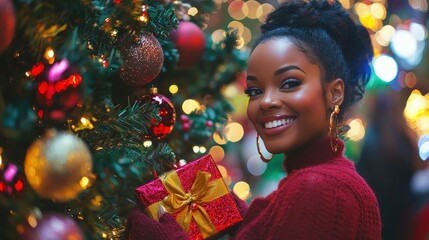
point(333, 129)
point(265, 160)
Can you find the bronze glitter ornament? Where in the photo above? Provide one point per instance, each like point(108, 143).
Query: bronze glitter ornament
point(142, 61)
point(58, 166)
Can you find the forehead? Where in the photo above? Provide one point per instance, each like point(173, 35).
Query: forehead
point(276, 53)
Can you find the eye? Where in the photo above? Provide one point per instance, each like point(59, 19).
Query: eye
point(252, 91)
point(290, 83)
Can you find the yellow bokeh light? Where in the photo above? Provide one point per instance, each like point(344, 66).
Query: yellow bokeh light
point(421, 5)
point(32, 220)
point(203, 149)
point(346, 4)
point(222, 171)
point(190, 105)
point(84, 182)
point(49, 55)
point(237, 25)
point(192, 11)
point(378, 11)
point(238, 9)
point(247, 35)
point(242, 190)
point(85, 121)
point(219, 139)
point(173, 89)
point(218, 35)
point(362, 10)
point(147, 143)
point(196, 149)
point(263, 11)
point(253, 9)
point(217, 153)
point(357, 130)
point(371, 22)
point(416, 104)
point(230, 91)
point(234, 132)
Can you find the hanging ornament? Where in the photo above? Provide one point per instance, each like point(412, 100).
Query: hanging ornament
point(59, 90)
point(7, 23)
point(58, 166)
point(142, 61)
point(11, 181)
point(51, 226)
point(157, 131)
point(190, 42)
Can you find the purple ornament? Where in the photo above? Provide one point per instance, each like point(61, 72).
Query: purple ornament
point(53, 226)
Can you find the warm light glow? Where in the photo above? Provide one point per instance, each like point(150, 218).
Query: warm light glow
point(190, 105)
point(247, 35)
point(230, 91)
point(410, 79)
point(217, 153)
point(196, 149)
point(362, 9)
point(218, 35)
point(263, 11)
point(32, 221)
point(421, 5)
point(234, 132)
point(222, 171)
point(203, 149)
point(50, 55)
point(238, 9)
point(173, 89)
point(219, 139)
point(85, 121)
point(84, 182)
point(242, 190)
point(236, 25)
point(357, 130)
point(147, 143)
point(346, 4)
point(378, 11)
point(385, 34)
point(416, 112)
point(253, 9)
point(192, 11)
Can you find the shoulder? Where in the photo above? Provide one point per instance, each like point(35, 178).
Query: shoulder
point(338, 177)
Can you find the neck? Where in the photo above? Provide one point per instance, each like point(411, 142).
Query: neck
point(315, 152)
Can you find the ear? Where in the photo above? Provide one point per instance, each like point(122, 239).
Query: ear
point(335, 92)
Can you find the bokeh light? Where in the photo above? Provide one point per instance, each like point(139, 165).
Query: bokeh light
point(263, 10)
point(356, 131)
point(234, 132)
point(253, 7)
point(385, 67)
point(190, 105)
point(255, 166)
point(219, 139)
point(238, 9)
point(217, 153)
point(242, 190)
point(173, 89)
point(404, 44)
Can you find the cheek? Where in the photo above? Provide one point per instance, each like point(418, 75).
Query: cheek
point(311, 105)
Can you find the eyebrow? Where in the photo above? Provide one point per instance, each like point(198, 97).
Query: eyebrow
point(278, 72)
point(288, 68)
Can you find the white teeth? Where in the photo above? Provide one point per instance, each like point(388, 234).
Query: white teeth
point(277, 123)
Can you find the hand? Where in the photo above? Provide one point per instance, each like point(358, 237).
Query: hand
point(140, 227)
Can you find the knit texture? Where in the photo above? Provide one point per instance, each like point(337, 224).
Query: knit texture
point(322, 197)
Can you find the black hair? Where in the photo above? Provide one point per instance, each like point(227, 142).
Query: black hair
point(325, 32)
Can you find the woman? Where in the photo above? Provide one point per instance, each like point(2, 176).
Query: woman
point(309, 66)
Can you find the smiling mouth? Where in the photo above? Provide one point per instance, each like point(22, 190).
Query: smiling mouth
point(278, 123)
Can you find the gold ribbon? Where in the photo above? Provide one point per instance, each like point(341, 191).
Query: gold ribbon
point(188, 205)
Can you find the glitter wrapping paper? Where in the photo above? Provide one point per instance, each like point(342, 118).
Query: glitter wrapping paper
point(222, 211)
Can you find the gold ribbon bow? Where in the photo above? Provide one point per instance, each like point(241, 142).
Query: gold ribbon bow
point(187, 205)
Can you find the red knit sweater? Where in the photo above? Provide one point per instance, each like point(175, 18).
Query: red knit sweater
point(322, 197)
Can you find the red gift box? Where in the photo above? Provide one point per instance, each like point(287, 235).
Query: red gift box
point(197, 197)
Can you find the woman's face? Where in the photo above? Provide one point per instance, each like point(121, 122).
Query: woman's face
point(287, 103)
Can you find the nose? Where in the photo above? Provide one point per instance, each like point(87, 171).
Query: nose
point(270, 101)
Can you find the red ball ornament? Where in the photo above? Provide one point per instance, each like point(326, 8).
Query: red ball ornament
point(7, 23)
point(158, 131)
point(142, 60)
point(59, 89)
point(53, 226)
point(190, 42)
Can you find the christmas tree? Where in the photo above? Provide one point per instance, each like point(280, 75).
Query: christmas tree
point(90, 94)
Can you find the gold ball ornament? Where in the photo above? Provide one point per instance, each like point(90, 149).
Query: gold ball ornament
point(142, 60)
point(58, 166)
